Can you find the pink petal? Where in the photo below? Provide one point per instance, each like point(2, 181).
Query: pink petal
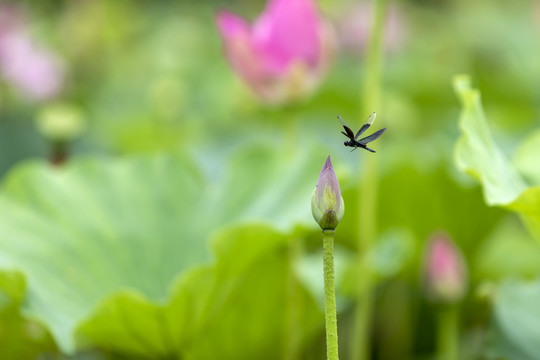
point(288, 30)
point(443, 258)
point(236, 35)
point(33, 70)
point(231, 25)
point(444, 261)
point(328, 177)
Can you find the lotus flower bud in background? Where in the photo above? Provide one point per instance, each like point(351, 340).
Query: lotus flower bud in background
point(326, 203)
point(60, 124)
point(284, 54)
point(444, 273)
point(32, 70)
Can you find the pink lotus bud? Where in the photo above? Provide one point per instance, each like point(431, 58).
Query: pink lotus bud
point(354, 28)
point(284, 54)
point(327, 204)
point(35, 72)
point(445, 274)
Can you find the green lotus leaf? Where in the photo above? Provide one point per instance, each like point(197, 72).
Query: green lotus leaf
point(100, 243)
point(19, 338)
point(478, 154)
point(492, 260)
point(235, 308)
point(526, 158)
point(515, 329)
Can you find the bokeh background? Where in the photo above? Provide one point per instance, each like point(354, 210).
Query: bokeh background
point(153, 207)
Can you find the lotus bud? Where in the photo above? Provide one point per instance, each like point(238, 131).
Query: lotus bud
point(60, 124)
point(326, 202)
point(445, 273)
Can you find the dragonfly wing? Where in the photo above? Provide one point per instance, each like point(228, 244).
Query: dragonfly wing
point(371, 118)
point(349, 133)
point(366, 125)
point(362, 130)
point(341, 120)
point(371, 137)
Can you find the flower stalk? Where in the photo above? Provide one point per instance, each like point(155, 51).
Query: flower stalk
point(328, 209)
point(330, 295)
point(445, 285)
point(367, 196)
point(293, 329)
point(447, 333)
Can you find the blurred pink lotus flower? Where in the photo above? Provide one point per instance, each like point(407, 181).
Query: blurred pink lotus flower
point(354, 28)
point(445, 274)
point(284, 54)
point(35, 72)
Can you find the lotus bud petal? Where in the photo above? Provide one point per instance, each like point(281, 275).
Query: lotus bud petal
point(445, 273)
point(326, 202)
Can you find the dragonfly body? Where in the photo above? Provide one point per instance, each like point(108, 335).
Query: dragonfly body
point(355, 145)
point(361, 143)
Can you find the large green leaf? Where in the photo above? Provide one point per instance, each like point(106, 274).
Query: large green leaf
point(19, 338)
point(237, 308)
point(526, 158)
point(516, 328)
point(114, 234)
point(508, 252)
point(478, 154)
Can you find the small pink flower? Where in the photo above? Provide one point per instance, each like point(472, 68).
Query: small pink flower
point(35, 72)
point(284, 54)
point(445, 274)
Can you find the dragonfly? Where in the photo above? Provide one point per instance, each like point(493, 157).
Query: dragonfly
point(362, 143)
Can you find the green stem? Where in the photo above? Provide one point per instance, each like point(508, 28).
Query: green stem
point(59, 152)
point(330, 296)
point(293, 328)
point(447, 333)
point(367, 196)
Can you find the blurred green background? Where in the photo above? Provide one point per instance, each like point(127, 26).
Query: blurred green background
point(179, 227)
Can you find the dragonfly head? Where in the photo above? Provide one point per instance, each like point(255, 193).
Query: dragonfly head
point(346, 143)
